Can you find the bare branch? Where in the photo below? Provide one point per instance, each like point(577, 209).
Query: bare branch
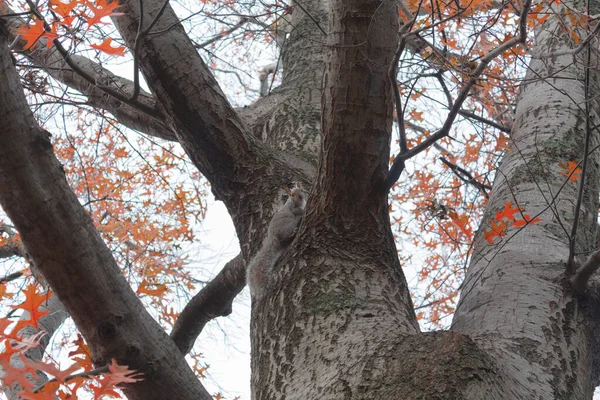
point(486, 121)
point(398, 164)
point(214, 300)
point(583, 274)
point(209, 129)
point(466, 177)
point(138, 40)
point(11, 277)
point(584, 167)
point(56, 66)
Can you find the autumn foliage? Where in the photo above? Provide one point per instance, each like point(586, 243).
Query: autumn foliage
point(145, 198)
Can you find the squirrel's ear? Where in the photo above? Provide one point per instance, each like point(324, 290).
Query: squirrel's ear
point(288, 191)
point(299, 185)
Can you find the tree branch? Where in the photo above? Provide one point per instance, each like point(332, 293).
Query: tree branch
point(466, 177)
point(62, 241)
point(398, 164)
point(227, 32)
point(486, 121)
point(56, 66)
point(583, 274)
point(214, 300)
point(208, 128)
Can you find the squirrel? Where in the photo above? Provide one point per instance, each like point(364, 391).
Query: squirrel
point(282, 229)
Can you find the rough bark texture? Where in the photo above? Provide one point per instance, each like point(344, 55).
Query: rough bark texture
point(63, 243)
point(515, 300)
point(334, 290)
point(337, 321)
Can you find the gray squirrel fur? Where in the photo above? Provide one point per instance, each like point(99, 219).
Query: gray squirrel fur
point(282, 229)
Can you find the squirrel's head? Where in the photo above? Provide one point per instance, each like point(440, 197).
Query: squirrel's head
point(297, 197)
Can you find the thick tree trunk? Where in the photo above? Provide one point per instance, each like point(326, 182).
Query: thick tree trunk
point(335, 297)
point(63, 243)
point(515, 301)
point(338, 322)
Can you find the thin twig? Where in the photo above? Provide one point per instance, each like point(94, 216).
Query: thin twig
point(300, 6)
point(392, 73)
point(221, 35)
point(11, 277)
point(93, 372)
point(136, 54)
point(486, 121)
point(141, 34)
point(466, 177)
point(572, 238)
point(398, 164)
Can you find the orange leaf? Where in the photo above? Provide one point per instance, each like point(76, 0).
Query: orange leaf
point(496, 230)
point(571, 170)
point(100, 10)
point(461, 223)
point(51, 369)
point(84, 358)
point(508, 212)
point(144, 288)
point(118, 374)
point(63, 9)
point(122, 374)
point(503, 143)
point(35, 31)
point(416, 115)
point(108, 49)
point(525, 221)
point(45, 393)
point(33, 301)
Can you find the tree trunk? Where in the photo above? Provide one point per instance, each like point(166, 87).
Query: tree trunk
point(63, 243)
point(516, 302)
point(337, 320)
point(338, 323)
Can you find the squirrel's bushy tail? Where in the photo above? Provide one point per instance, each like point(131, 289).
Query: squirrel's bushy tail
point(260, 267)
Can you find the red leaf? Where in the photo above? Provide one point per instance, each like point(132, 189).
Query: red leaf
point(35, 31)
point(508, 212)
point(100, 10)
point(108, 49)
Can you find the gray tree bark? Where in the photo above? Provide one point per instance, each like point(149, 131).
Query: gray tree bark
point(338, 321)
